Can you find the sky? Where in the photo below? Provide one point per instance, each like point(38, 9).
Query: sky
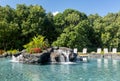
point(101, 7)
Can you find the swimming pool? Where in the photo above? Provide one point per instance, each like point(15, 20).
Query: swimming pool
point(94, 70)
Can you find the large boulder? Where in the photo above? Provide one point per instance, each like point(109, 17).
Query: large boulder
point(73, 57)
point(54, 56)
point(38, 58)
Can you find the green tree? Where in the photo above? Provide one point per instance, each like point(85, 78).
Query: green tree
point(48, 29)
point(74, 36)
point(96, 23)
point(59, 23)
point(73, 17)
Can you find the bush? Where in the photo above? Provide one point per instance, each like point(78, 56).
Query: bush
point(35, 50)
point(1, 52)
point(37, 44)
point(14, 51)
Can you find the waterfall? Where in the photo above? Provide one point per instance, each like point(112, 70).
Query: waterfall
point(16, 59)
point(67, 60)
point(62, 58)
point(67, 57)
point(66, 53)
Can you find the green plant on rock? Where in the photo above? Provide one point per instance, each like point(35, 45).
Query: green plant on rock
point(37, 42)
point(14, 51)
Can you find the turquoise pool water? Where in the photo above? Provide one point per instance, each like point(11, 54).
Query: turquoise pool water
point(95, 70)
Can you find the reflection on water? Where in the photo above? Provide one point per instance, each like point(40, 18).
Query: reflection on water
point(114, 63)
point(63, 68)
point(106, 63)
point(95, 70)
point(52, 67)
point(84, 65)
point(17, 66)
point(28, 72)
point(59, 72)
point(99, 62)
point(36, 77)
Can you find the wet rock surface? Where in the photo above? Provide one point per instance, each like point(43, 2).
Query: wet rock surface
point(53, 54)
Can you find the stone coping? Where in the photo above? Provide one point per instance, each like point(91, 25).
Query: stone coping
point(106, 56)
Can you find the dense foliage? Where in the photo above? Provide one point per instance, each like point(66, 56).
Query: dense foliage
point(71, 28)
point(37, 44)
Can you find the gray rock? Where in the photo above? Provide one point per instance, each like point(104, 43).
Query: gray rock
point(73, 57)
point(50, 55)
point(36, 58)
point(54, 56)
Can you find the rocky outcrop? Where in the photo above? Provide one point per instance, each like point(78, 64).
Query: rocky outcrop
point(53, 54)
point(39, 58)
point(59, 54)
point(73, 57)
point(5, 54)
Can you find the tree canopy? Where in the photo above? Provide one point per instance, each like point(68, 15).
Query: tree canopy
point(70, 28)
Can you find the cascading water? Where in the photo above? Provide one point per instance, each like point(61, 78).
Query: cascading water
point(67, 56)
point(62, 58)
point(66, 53)
point(63, 55)
point(16, 59)
point(67, 61)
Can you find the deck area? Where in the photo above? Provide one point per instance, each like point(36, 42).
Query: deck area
point(81, 54)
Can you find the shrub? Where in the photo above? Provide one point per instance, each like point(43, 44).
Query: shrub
point(37, 44)
point(35, 50)
point(1, 52)
point(14, 51)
